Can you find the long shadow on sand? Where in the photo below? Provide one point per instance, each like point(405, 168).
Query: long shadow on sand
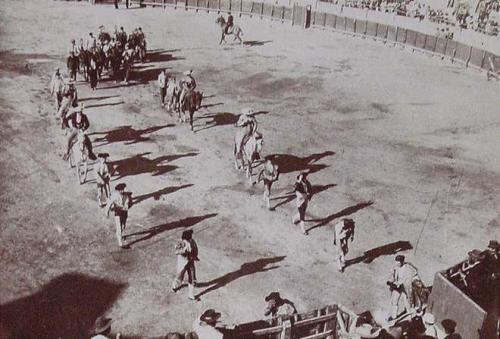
point(345, 212)
point(290, 163)
point(389, 249)
point(139, 164)
point(289, 196)
point(65, 307)
point(156, 195)
point(183, 223)
point(126, 134)
point(223, 118)
point(249, 268)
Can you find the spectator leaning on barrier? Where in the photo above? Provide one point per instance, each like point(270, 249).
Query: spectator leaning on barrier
point(204, 327)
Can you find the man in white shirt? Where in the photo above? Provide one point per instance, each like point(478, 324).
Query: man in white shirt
point(56, 88)
point(162, 84)
point(204, 327)
point(401, 285)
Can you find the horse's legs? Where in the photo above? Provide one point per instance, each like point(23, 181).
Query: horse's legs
point(191, 114)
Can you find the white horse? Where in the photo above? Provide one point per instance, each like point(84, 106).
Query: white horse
point(245, 156)
point(234, 30)
point(78, 158)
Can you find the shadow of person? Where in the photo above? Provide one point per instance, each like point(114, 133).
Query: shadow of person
point(157, 194)
point(345, 212)
point(65, 307)
point(259, 265)
point(126, 134)
point(389, 249)
point(182, 223)
point(139, 164)
point(224, 118)
point(290, 163)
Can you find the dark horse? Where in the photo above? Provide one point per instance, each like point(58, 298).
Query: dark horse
point(191, 103)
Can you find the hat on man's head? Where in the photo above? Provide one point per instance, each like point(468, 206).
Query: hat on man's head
point(494, 244)
point(273, 296)
point(103, 155)
point(120, 186)
point(101, 325)
point(400, 258)
point(187, 234)
point(210, 316)
point(429, 318)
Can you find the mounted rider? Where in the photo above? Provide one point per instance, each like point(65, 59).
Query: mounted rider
point(79, 123)
point(187, 84)
point(229, 23)
point(248, 122)
point(69, 99)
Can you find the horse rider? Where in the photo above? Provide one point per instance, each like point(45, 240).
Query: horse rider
point(103, 177)
point(119, 203)
point(57, 87)
point(69, 99)
point(142, 37)
point(73, 64)
point(249, 123)
point(121, 36)
point(229, 23)
point(187, 84)
point(303, 193)
point(79, 123)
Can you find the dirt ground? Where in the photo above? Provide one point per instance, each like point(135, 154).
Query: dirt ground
point(405, 144)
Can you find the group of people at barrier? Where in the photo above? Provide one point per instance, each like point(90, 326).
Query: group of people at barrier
point(484, 17)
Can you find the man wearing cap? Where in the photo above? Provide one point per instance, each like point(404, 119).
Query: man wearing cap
point(102, 176)
point(303, 193)
point(73, 64)
point(401, 285)
point(102, 329)
point(343, 232)
point(56, 88)
point(276, 306)
point(119, 203)
point(162, 84)
point(204, 327)
point(187, 84)
point(268, 174)
point(186, 251)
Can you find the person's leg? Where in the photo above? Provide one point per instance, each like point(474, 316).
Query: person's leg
point(267, 193)
point(340, 258)
point(71, 140)
point(302, 215)
point(395, 296)
point(118, 226)
point(179, 277)
point(163, 92)
point(191, 280)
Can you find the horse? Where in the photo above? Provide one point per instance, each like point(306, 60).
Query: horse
point(192, 103)
point(78, 158)
point(249, 153)
point(173, 94)
point(235, 30)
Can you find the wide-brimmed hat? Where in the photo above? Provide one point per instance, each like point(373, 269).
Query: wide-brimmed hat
point(103, 155)
point(187, 234)
point(494, 244)
point(188, 72)
point(273, 296)
point(209, 316)
point(429, 319)
point(120, 186)
point(101, 325)
point(400, 258)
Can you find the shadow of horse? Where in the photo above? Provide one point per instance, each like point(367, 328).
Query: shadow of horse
point(251, 43)
point(345, 212)
point(128, 134)
point(290, 163)
point(389, 249)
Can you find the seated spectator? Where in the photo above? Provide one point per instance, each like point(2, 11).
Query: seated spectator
point(276, 306)
point(430, 327)
point(102, 329)
point(449, 328)
point(204, 327)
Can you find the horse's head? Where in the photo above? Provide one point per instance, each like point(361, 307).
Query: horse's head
point(220, 20)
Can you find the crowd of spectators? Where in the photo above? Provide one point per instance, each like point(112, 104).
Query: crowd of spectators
point(483, 17)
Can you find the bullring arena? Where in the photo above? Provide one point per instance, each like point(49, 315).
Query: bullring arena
point(404, 143)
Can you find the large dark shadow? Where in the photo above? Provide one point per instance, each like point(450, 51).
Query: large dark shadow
point(159, 55)
point(345, 212)
point(389, 249)
point(183, 223)
point(105, 104)
point(224, 118)
point(290, 163)
point(98, 98)
point(251, 43)
point(157, 194)
point(139, 164)
point(65, 307)
point(126, 133)
point(260, 265)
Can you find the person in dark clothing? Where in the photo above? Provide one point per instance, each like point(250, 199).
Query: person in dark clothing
point(73, 65)
point(229, 23)
point(116, 4)
point(303, 192)
point(79, 122)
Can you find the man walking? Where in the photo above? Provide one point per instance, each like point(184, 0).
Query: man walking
point(56, 88)
point(344, 231)
point(119, 203)
point(73, 64)
point(187, 253)
point(162, 84)
point(303, 192)
point(269, 174)
point(401, 285)
point(103, 177)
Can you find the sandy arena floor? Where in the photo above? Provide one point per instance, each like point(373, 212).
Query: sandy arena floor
point(405, 144)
